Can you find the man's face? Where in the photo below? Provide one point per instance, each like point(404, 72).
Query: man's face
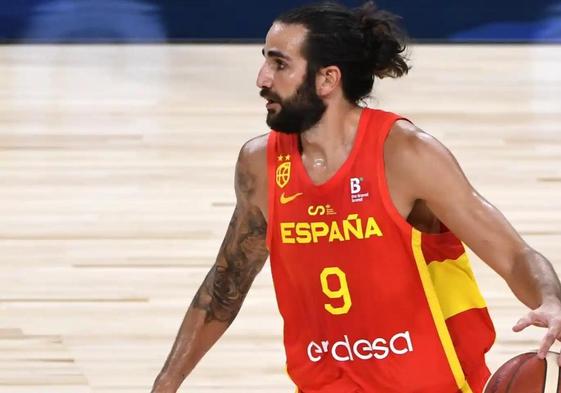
point(293, 105)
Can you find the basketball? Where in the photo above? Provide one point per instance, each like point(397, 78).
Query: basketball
point(526, 373)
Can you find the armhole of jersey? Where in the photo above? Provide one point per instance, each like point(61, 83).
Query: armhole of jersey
point(382, 180)
point(270, 188)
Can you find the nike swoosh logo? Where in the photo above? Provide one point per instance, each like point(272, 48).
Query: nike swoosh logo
point(286, 199)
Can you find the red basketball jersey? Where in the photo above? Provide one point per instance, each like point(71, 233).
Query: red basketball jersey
point(369, 303)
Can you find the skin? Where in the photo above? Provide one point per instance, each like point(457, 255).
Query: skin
point(424, 201)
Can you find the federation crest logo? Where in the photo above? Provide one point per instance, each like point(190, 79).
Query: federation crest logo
point(283, 171)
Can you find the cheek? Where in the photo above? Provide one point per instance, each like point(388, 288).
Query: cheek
point(295, 78)
point(288, 81)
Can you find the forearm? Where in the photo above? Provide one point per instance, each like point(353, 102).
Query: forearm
point(194, 339)
point(213, 309)
point(533, 280)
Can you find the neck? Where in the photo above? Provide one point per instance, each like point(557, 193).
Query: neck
point(335, 131)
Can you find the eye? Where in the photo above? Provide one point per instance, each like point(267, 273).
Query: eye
point(281, 65)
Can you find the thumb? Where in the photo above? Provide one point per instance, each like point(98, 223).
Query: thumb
point(523, 323)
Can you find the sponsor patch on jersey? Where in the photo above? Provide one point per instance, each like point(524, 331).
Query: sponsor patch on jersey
point(358, 193)
point(321, 210)
point(346, 351)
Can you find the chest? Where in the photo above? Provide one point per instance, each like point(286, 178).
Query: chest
point(416, 212)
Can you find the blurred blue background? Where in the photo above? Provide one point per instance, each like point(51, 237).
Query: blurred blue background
point(228, 20)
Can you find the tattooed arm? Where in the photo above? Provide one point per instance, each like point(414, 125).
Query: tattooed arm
point(220, 297)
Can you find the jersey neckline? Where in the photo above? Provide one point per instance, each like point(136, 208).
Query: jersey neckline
point(343, 169)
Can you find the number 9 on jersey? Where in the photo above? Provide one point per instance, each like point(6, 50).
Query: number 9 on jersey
point(342, 292)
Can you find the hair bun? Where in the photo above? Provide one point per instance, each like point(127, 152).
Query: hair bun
point(384, 41)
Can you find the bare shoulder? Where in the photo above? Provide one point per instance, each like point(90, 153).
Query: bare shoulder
point(408, 146)
point(251, 172)
point(407, 137)
point(254, 151)
point(417, 163)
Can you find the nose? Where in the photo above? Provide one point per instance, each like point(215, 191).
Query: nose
point(264, 77)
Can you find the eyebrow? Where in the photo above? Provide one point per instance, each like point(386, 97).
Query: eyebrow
point(275, 53)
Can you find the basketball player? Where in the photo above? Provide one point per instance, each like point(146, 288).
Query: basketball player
point(361, 213)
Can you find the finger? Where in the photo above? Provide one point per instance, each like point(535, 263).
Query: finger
point(523, 323)
point(540, 324)
point(548, 341)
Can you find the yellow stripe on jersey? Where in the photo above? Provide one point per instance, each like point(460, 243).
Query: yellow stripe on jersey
point(455, 286)
point(437, 315)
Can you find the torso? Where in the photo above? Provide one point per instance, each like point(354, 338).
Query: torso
point(348, 263)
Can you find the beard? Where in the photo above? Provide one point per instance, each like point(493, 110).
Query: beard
point(297, 113)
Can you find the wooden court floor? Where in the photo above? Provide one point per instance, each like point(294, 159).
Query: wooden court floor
point(116, 166)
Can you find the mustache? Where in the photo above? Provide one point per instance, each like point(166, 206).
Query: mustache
point(269, 95)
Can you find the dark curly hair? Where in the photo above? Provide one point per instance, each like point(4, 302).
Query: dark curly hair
point(364, 43)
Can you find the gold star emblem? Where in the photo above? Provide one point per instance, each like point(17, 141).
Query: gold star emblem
point(287, 157)
point(279, 158)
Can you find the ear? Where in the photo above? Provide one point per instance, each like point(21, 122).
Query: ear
point(328, 79)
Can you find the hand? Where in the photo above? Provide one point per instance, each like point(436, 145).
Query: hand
point(548, 315)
